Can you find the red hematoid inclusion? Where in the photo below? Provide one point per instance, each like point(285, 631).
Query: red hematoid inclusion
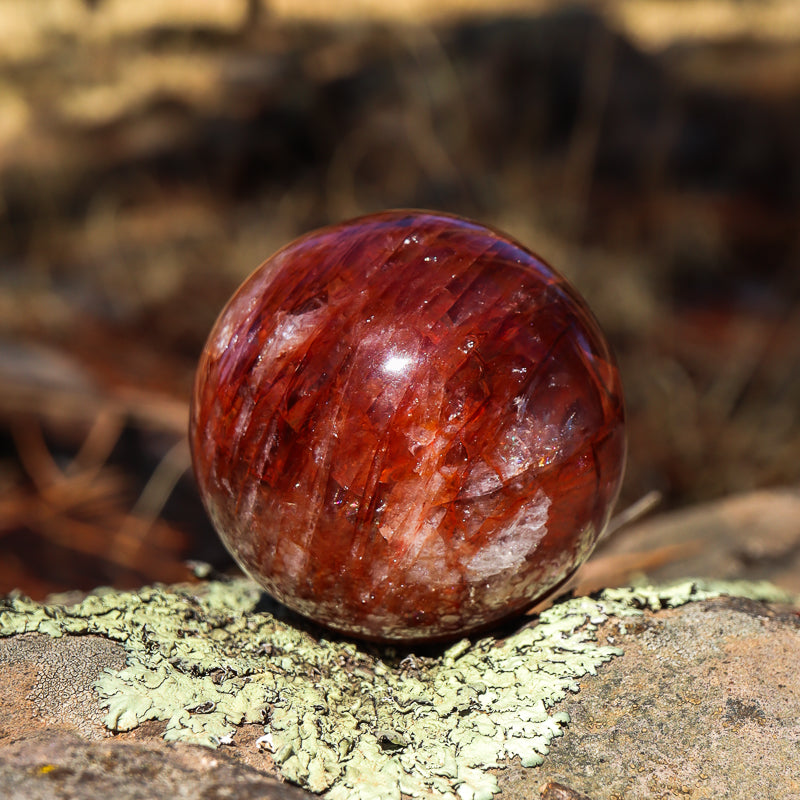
point(407, 427)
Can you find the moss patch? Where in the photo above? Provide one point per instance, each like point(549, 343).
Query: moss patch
point(340, 718)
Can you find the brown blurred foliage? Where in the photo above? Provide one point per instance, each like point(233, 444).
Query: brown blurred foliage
point(152, 154)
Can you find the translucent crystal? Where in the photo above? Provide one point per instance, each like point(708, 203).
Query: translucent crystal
point(407, 427)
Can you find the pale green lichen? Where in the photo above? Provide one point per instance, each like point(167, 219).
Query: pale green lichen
point(338, 717)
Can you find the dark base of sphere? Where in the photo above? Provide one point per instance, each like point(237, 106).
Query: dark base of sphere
point(499, 627)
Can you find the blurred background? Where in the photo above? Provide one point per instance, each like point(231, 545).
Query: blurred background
point(153, 153)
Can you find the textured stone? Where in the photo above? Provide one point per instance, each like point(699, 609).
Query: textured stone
point(704, 703)
point(50, 682)
point(57, 765)
point(203, 665)
point(407, 426)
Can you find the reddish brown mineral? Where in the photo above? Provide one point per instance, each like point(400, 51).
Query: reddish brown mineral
point(407, 427)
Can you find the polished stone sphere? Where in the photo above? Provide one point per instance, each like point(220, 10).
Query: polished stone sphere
point(407, 427)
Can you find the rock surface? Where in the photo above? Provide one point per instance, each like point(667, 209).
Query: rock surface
point(704, 702)
point(48, 683)
point(61, 765)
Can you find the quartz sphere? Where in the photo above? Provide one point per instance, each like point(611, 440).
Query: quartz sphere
point(407, 427)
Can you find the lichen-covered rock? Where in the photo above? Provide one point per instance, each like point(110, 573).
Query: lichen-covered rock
point(357, 723)
point(704, 703)
point(50, 682)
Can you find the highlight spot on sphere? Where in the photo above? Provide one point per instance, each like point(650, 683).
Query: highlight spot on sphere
point(407, 427)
